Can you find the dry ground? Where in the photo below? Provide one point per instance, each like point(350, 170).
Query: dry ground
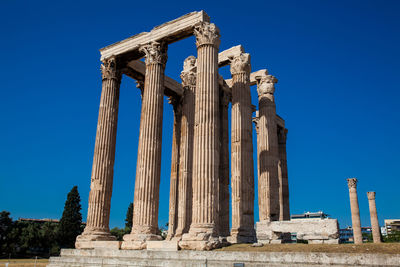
point(24, 263)
point(384, 248)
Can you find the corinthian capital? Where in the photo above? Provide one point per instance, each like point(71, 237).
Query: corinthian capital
point(371, 195)
point(240, 64)
point(206, 33)
point(266, 85)
point(155, 53)
point(109, 69)
point(188, 75)
point(352, 182)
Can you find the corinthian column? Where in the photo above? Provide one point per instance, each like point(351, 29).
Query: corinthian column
point(173, 193)
point(206, 140)
point(188, 77)
point(242, 152)
point(267, 150)
point(224, 166)
point(376, 233)
point(147, 182)
point(355, 212)
point(98, 217)
point(284, 210)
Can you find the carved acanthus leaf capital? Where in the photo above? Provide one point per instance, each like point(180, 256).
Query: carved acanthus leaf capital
point(240, 64)
point(371, 195)
point(188, 75)
point(206, 33)
point(109, 69)
point(155, 53)
point(266, 85)
point(352, 182)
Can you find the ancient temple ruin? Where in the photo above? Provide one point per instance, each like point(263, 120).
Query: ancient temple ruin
point(199, 193)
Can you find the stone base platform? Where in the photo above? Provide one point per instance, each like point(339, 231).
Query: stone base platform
point(128, 258)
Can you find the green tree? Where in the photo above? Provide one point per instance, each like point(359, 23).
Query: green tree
point(6, 225)
point(118, 233)
point(71, 220)
point(129, 217)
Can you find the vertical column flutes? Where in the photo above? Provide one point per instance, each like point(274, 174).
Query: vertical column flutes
point(147, 181)
point(242, 152)
point(267, 149)
point(376, 232)
point(173, 193)
point(284, 209)
point(206, 135)
point(355, 211)
point(188, 77)
point(224, 166)
point(97, 226)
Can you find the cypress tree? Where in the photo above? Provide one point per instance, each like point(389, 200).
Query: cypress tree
point(71, 220)
point(128, 219)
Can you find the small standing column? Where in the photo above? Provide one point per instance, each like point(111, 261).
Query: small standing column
point(173, 194)
point(376, 233)
point(355, 211)
point(203, 229)
point(242, 152)
point(188, 76)
point(97, 226)
point(224, 166)
point(284, 210)
point(147, 182)
point(267, 150)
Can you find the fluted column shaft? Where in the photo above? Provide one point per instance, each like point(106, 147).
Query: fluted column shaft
point(268, 153)
point(173, 194)
point(188, 77)
point(284, 209)
point(206, 133)
point(147, 182)
point(376, 232)
point(242, 151)
point(224, 166)
point(355, 211)
point(97, 226)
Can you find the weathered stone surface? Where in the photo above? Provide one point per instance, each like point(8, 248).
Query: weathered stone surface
point(206, 140)
point(284, 209)
point(355, 211)
point(98, 244)
point(267, 149)
point(147, 181)
point(97, 227)
point(162, 245)
point(99, 257)
point(169, 32)
point(376, 232)
point(173, 193)
point(242, 152)
point(306, 229)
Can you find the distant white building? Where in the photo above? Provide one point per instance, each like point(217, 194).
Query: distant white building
point(310, 215)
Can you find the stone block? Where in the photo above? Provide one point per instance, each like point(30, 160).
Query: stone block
point(98, 244)
point(162, 245)
point(313, 230)
point(133, 245)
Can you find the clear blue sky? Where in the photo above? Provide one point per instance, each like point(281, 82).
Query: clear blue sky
point(337, 62)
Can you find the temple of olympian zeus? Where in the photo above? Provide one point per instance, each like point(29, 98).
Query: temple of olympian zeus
point(199, 193)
